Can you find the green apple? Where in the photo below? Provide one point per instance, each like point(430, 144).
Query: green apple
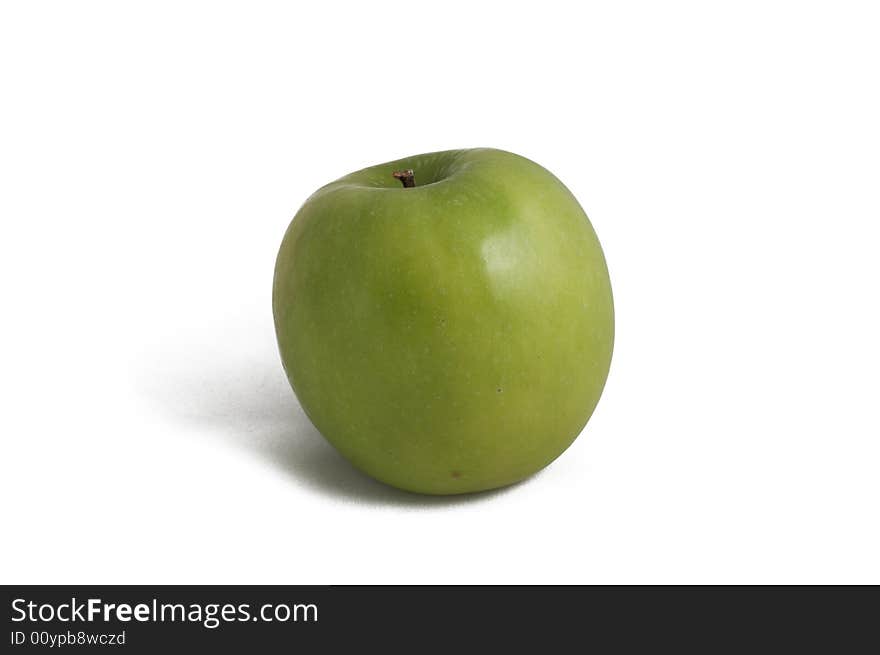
point(445, 320)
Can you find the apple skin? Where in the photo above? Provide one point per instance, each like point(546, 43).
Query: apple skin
point(447, 338)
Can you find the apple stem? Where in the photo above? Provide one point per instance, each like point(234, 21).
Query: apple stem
point(407, 177)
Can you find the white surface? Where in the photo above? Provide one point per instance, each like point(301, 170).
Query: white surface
point(152, 156)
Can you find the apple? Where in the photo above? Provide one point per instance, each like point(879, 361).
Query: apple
point(445, 320)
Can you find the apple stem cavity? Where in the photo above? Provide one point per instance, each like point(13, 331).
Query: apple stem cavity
point(407, 177)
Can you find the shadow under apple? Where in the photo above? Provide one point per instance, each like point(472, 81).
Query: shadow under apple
point(250, 405)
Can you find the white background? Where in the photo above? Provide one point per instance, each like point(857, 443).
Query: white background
point(152, 155)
